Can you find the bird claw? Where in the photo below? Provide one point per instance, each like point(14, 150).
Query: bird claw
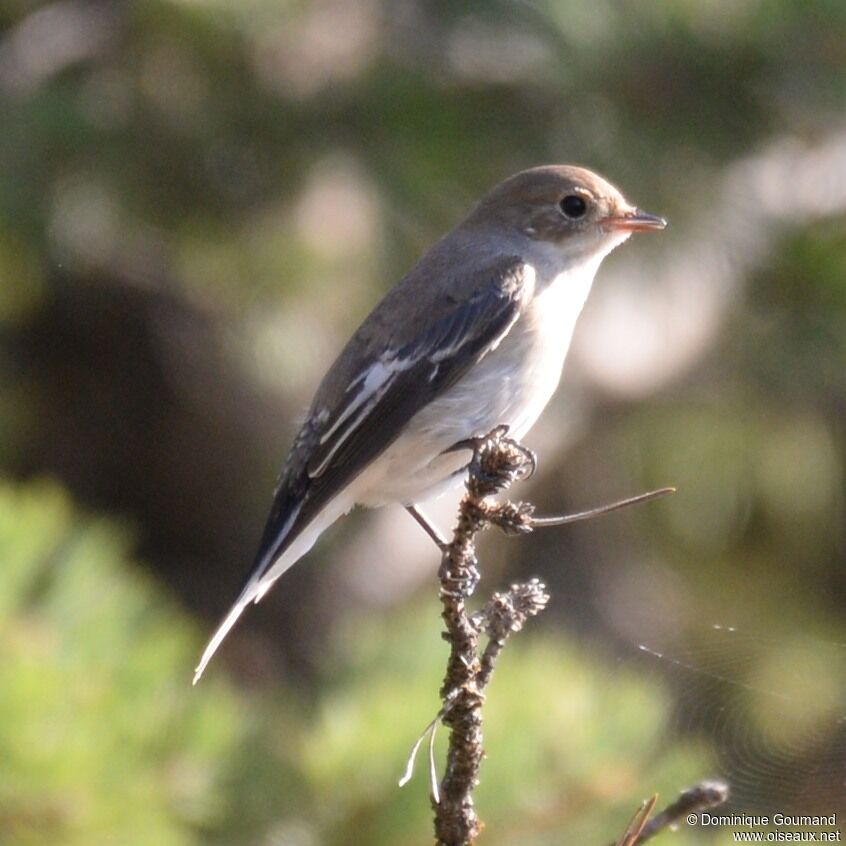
point(498, 460)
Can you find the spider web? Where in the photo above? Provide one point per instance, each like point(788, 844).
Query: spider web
point(772, 708)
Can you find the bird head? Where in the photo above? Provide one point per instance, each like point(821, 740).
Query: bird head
point(569, 207)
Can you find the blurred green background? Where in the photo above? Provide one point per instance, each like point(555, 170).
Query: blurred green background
point(199, 200)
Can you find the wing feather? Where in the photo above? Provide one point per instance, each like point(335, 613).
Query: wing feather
point(344, 434)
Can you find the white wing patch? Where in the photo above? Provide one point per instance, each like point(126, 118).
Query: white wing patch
point(374, 384)
point(373, 380)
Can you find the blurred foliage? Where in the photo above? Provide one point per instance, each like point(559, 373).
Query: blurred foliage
point(100, 742)
point(103, 740)
point(198, 201)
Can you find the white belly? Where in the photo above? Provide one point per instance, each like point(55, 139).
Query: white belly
point(511, 385)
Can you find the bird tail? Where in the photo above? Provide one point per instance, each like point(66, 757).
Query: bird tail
point(269, 568)
point(222, 630)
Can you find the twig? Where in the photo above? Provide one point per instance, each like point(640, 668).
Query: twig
point(518, 518)
point(543, 522)
point(634, 830)
point(706, 794)
point(504, 614)
point(498, 462)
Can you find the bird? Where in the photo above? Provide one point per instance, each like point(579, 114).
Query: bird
point(473, 337)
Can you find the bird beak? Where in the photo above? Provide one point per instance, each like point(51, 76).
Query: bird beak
point(634, 220)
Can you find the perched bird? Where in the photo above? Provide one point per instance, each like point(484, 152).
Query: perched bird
point(473, 337)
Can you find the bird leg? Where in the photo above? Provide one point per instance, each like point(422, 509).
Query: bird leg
point(423, 522)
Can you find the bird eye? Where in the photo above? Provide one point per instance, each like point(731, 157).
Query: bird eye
point(573, 206)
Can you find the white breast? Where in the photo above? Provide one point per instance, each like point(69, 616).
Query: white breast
point(511, 385)
point(534, 354)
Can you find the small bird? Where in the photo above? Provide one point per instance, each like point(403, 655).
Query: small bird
point(472, 337)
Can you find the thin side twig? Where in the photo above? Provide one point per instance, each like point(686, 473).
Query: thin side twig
point(700, 797)
point(544, 522)
point(505, 614)
point(634, 830)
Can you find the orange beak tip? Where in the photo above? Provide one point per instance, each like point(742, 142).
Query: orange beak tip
point(636, 220)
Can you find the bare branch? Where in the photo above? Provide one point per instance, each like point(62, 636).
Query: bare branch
point(497, 463)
